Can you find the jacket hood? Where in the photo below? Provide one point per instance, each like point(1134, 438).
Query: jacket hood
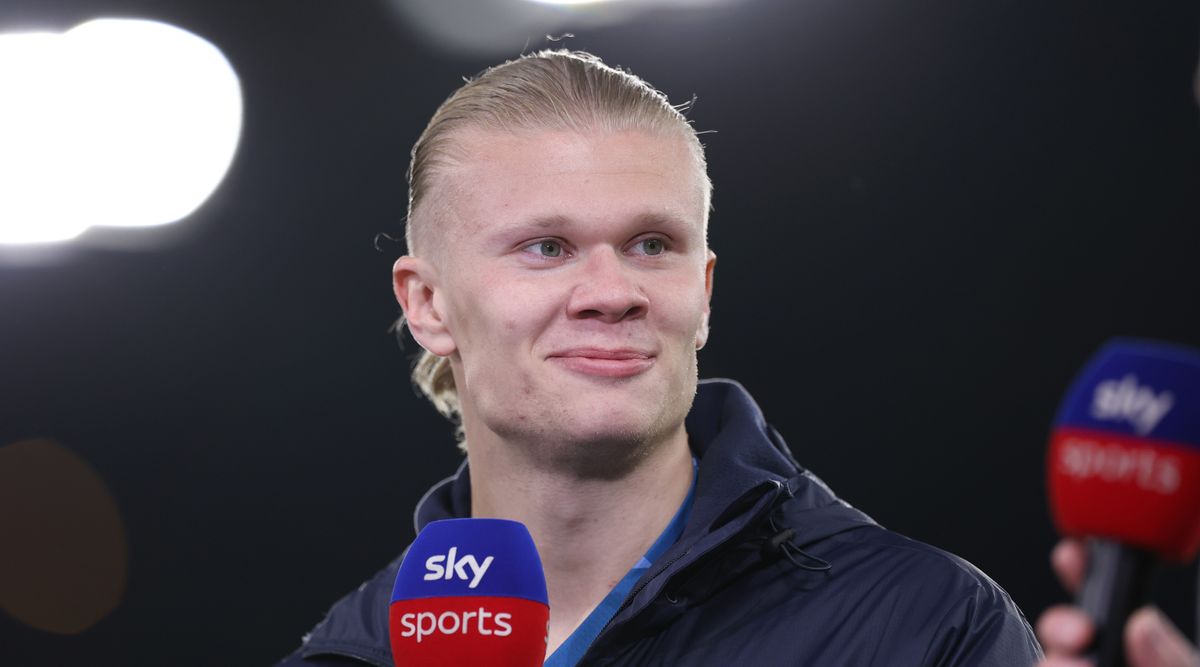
point(746, 474)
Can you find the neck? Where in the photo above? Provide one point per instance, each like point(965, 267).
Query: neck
point(589, 530)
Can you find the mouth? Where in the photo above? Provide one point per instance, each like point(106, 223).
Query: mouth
point(605, 362)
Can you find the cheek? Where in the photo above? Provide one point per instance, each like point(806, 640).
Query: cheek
point(496, 328)
point(478, 312)
point(517, 312)
point(682, 311)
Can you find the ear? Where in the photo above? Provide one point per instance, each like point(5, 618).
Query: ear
point(415, 282)
point(709, 265)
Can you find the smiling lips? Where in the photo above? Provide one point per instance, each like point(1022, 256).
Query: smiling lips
point(604, 362)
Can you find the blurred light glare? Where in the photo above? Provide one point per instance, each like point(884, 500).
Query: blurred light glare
point(116, 122)
point(504, 28)
point(65, 559)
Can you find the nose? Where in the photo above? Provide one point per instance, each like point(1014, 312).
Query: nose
point(607, 290)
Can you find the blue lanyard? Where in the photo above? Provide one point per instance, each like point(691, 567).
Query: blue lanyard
point(570, 651)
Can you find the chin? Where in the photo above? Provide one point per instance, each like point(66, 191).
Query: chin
point(592, 425)
point(640, 422)
point(588, 439)
point(636, 411)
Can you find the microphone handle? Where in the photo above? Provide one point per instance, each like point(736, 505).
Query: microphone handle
point(1117, 583)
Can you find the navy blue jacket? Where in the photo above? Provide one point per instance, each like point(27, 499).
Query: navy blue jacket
point(771, 569)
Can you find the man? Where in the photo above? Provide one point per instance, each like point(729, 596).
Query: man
point(559, 282)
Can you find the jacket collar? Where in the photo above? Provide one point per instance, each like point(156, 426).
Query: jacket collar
point(726, 431)
point(746, 470)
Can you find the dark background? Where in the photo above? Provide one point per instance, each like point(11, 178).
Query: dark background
point(928, 216)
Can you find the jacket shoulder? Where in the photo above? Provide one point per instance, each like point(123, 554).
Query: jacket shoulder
point(909, 589)
point(355, 631)
point(917, 603)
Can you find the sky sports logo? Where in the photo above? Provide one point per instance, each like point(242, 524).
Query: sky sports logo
point(452, 566)
point(1126, 400)
point(425, 623)
point(1114, 462)
point(470, 592)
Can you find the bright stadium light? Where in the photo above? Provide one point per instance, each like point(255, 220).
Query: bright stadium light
point(124, 123)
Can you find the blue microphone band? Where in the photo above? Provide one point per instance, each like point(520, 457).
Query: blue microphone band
point(472, 558)
point(1138, 388)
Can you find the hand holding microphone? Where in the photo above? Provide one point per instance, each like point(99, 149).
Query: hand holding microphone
point(1124, 471)
point(1066, 631)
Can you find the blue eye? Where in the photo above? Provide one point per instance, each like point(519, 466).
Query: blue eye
point(653, 246)
point(550, 248)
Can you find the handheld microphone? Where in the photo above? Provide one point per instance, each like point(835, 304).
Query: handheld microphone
point(470, 592)
point(1124, 469)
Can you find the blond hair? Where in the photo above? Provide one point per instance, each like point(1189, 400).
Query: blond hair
point(547, 90)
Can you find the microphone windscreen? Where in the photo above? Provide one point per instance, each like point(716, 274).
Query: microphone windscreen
point(1124, 457)
point(470, 592)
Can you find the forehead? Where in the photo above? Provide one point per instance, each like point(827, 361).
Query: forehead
point(496, 178)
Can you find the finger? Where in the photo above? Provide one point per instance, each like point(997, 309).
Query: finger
point(1069, 560)
point(1151, 640)
point(1064, 630)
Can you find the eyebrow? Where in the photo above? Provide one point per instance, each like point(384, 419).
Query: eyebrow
point(548, 222)
point(649, 219)
point(661, 220)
